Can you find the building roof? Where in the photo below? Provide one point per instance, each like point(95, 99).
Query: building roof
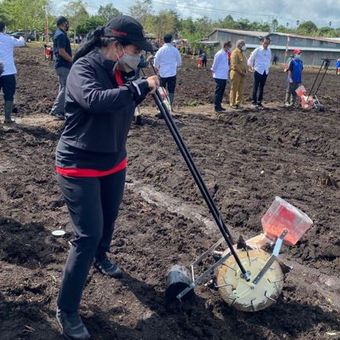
point(241, 32)
point(305, 37)
point(263, 34)
point(302, 48)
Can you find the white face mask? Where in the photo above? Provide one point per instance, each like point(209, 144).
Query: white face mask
point(128, 63)
point(244, 48)
point(297, 56)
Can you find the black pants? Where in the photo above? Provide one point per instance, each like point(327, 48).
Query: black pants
point(7, 85)
point(259, 82)
point(219, 92)
point(169, 83)
point(93, 205)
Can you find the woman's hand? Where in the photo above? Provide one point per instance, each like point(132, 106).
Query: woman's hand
point(153, 82)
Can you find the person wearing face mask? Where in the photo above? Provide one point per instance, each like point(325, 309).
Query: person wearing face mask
point(91, 156)
point(62, 62)
point(238, 71)
point(294, 77)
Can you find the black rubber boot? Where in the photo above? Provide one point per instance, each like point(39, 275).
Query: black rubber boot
point(8, 112)
point(72, 326)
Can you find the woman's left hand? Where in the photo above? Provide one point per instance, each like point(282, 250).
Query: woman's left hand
point(153, 82)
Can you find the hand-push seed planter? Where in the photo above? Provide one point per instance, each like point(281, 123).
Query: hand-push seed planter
point(246, 276)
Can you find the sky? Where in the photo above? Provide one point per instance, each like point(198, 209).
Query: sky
point(320, 12)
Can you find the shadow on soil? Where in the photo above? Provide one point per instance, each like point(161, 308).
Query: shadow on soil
point(29, 245)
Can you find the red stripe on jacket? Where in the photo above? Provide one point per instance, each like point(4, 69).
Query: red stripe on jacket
point(74, 172)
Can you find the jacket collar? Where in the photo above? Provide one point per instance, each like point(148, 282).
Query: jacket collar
point(99, 59)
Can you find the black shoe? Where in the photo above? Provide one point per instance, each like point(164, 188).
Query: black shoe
point(9, 121)
point(139, 120)
point(159, 115)
point(58, 115)
point(220, 109)
point(72, 326)
point(106, 267)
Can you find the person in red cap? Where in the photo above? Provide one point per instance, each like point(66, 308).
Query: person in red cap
point(294, 77)
point(91, 155)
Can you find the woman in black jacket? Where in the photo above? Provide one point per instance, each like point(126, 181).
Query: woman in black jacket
point(91, 154)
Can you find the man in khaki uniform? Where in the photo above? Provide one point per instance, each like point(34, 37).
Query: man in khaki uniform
point(238, 70)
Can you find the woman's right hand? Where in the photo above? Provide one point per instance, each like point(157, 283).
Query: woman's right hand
point(153, 82)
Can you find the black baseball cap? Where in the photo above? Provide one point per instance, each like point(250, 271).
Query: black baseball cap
point(127, 29)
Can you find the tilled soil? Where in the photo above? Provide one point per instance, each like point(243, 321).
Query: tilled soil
point(246, 159)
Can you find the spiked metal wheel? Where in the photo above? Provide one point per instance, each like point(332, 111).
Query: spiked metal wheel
point(245, 295)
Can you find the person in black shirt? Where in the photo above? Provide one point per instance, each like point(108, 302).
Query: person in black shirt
point(91, 154)
point(62, 62)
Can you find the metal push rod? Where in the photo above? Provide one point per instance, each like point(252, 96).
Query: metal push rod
point(327, 62)
point(316, 78)
point(197, 177)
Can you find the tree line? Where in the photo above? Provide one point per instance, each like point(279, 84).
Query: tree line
point(28, 15)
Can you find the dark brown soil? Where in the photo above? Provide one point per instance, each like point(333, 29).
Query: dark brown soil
point(246, 158)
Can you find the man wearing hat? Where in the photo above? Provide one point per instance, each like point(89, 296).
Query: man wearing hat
point(62, 62)
point(294, 77)
point(91, 156)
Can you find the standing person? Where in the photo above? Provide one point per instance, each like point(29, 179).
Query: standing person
point(62, 62)
point(337, 66)
point(91, 154)
point(294, 77)
point(238, 71)
point(167, 60)
point(275, 59)
point(204, 58)
point(220, 69)
point(7, 76)
point(259, 61)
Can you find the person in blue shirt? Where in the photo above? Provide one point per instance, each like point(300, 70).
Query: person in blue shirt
point(62, 62)
point(294, 77)
point(337, 66)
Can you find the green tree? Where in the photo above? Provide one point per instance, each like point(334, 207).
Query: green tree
point(274, 25)
point(142, 10)
point(327, 32)
point(227, 22)
point(25, 15)
point(165, 22)
point(307, 27)
point(107, 12)
point(77, 15)
point(90, 24)
point(4, 15)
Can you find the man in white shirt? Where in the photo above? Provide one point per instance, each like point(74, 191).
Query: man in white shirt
point(220, 69)
point(167, 60)
point(259, 62)
point(7, 78)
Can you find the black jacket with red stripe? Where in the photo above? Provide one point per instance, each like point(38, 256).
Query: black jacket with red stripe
point(98, 113)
